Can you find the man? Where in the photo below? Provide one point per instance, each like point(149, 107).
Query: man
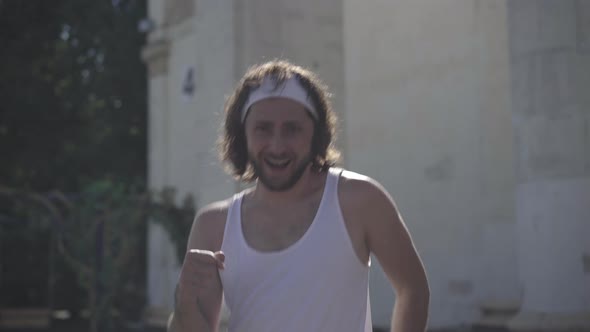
point(292, 252)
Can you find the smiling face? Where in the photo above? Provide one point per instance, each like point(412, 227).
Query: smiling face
point(279, 133)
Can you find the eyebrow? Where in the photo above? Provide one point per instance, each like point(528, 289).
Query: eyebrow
point(287, 122)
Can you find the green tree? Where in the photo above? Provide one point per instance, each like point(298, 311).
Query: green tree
point(72, 114)
point(72, 93)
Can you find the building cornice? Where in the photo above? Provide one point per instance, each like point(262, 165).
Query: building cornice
point(155, 54)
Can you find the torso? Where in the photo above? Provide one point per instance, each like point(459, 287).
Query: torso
point(276, 248)
point(274, 229)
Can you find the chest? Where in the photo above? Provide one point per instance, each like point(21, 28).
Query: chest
point(278, 228)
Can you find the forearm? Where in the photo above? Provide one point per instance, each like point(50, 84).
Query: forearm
point(188, 316)
point(185, 322)
point(410, 312)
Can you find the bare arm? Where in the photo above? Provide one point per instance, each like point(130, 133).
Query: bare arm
point(199, 292)
point(389, 240)
point(191, 321)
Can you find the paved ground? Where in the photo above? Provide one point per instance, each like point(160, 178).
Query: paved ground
point(73, 327)
point(79, 326)
point(82, 326)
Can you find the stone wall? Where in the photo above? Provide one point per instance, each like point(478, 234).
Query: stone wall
point(428, 115)
point(550, 61)
point(472, 113)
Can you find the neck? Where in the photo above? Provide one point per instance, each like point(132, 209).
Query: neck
point(301, 189)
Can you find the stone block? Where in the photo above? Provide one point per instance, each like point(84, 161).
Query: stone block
point(551, 148)
point(544, 83)
point(538, 25)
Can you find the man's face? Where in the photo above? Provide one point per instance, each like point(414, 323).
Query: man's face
point(279, 133)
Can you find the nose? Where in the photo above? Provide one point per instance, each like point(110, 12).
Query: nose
point(277, 144)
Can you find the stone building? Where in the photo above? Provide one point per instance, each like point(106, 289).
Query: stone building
point(474, 114)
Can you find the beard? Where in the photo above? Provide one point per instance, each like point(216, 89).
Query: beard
point(278, 185)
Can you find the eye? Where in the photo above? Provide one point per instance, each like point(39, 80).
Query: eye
point(262, 128)
point(292, 128)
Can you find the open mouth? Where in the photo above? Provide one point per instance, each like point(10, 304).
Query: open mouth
point(277, 164)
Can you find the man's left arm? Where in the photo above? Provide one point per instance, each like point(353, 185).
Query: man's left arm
point(389, 240)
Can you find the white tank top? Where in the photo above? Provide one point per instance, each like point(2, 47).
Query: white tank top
point(316, 284)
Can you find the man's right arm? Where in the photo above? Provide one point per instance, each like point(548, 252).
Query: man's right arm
point(188, 318)
point(198, 295)
point(192, 321)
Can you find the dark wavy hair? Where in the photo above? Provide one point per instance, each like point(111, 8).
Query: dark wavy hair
point(232, 142)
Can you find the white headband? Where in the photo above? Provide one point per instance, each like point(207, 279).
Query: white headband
point(290, 88)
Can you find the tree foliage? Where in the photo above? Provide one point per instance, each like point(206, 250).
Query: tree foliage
point(72, 116)
point(98, 234)
point(73, 93)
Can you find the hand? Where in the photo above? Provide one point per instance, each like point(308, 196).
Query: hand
point(199, 276)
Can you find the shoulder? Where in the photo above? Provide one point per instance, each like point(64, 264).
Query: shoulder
point(359, 188)
point(366, 207)
point(365, 198)
point(209, 225)
point(214, 213)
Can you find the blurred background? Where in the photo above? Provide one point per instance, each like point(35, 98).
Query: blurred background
point(473, 114)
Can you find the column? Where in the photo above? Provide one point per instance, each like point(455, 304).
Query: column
point(162, 264)
point(551, 122)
